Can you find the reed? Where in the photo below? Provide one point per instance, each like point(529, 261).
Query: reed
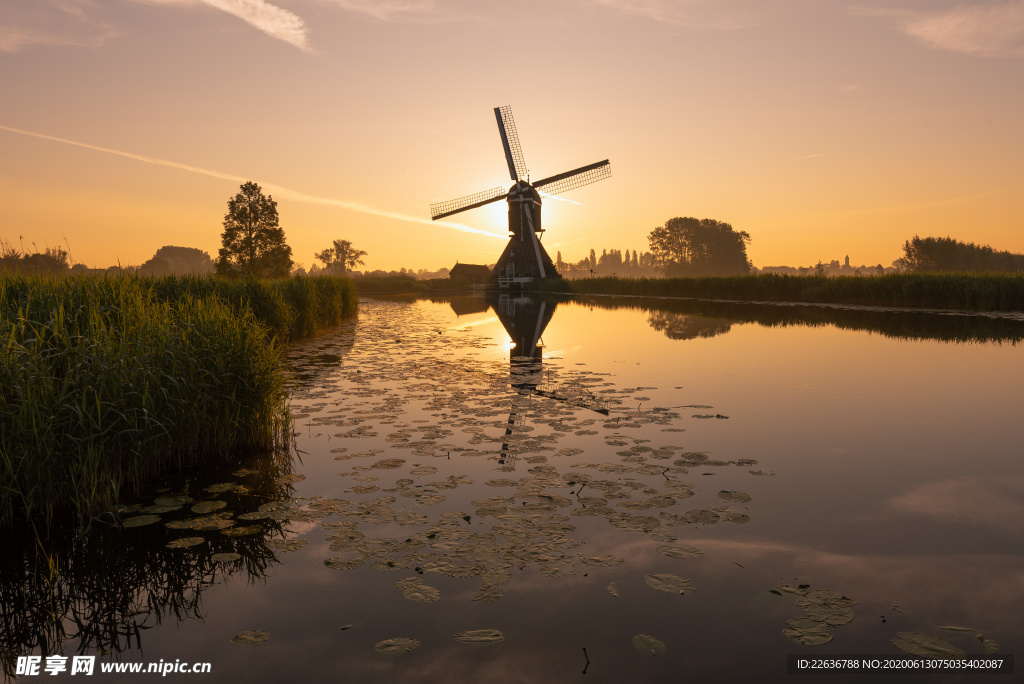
point(108, 381)
point(978, 292)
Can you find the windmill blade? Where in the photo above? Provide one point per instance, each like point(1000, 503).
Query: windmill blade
point(570, 180)
point(510, 141)
point(442, 209)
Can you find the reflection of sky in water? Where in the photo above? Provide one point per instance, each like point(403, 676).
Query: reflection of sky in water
point(889, 474)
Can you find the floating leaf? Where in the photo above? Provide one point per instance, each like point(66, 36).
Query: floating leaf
point(679, 550)
point(489, 594)
point(172, 500)
point(670, 584)
point(289, 479)
point(415, 590)
point(396, 646)
point(140, 520)
point(480, 636)
point(241, 531)
point(344, 563)
point(613, 590)
point(729, 495)
point(221, 487)
point(286, 545)
point(925, 645)
point(208, 506)
point(225, 557)
point(184, 542)
point(954, 628)
point(156, 510)
point(602, 561)
point(649, 645)
point(250, 637)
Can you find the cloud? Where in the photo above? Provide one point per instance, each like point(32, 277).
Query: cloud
point(990, 30)
point(278, 190)
point(986, 30)
point(690, 13)
point(405, 11)
point(275, 21)
point(51, 22)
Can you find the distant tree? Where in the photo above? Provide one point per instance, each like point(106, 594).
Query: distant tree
point(922, 255)
point(253, 240)
point(51, 261)
point(177, 260)
point(692, 247)
point(341, 257)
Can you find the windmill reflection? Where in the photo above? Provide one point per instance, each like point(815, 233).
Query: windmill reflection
point(525, 319)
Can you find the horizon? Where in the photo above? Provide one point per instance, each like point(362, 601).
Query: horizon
point(821, 129)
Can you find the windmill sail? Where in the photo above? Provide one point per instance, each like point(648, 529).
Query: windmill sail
point(510, 141)
point(570, 180)
point(442, 209)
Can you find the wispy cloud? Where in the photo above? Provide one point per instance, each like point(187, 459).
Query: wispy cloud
point(994, 29)
point(281, 192)
point(51, 22)
point(275, 21)
point(404, 11)
point(691, 13)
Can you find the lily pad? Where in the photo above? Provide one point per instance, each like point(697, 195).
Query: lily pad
point(250, 637)
point(184, 542)
point(140, 520)
point(204, 507)
point(613, 590)
point(480, 636)
point(679, 550)
point(241, 531)
point(602, 561)
point(396, 646)
point(925, 645)
point(289, 479)
point(225, 557)
point(649, 645)
point(668, 583)
point(729, 495)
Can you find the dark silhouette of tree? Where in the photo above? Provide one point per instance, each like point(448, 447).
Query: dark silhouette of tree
point(692, 247)
point(341, 257)
point(924, 255)
point(51, 261)
point(177, 260)
point(253, 241)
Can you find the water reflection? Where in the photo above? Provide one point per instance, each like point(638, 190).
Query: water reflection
point(98, 590)
point(682, 319)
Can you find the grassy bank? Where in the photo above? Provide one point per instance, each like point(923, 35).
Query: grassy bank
point(106, 381)
point(977, 292)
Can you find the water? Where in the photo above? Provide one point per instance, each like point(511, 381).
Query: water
point(863, 463)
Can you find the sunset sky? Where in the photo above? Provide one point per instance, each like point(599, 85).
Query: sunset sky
point(822, 128)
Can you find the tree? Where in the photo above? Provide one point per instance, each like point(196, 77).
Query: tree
point(253, 241)
point(692, 247)
point(341, 257)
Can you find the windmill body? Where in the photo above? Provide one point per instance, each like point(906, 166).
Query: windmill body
point(524, 258)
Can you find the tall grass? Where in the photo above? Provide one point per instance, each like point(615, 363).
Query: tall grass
point(106, 381)
point(979, 292)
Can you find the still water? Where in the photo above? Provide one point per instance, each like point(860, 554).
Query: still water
point(606, 490)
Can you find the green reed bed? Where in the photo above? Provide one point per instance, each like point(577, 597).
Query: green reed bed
point(979, 292)
point(107, 381)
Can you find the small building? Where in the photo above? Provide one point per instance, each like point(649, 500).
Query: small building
point(474, 273)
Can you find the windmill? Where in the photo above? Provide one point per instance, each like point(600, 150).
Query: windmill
point(524, 319)
point(524, 257)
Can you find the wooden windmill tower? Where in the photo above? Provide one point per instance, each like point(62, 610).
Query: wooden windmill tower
point(524, 258)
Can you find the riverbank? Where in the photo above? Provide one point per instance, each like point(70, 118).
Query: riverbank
point(973, 292)
point(107, 381)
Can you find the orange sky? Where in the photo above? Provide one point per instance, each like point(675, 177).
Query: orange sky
point(821, 128)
